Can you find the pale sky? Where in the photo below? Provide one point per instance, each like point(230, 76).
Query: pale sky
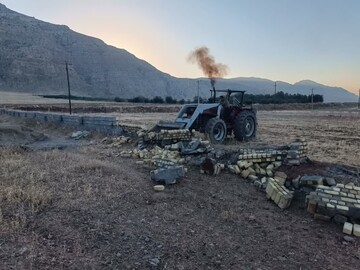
point(285, 40)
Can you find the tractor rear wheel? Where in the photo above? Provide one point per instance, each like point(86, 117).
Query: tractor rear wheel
point(216, 130)
point(245, 126)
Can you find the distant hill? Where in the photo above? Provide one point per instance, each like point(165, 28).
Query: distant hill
point(33, 55)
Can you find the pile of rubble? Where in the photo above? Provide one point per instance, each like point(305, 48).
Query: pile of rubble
point(117, 142)
point(340, 202)
point(261, 165)
point(171, 150)
point(177, 148)
point(276, 191)
point(163, 137)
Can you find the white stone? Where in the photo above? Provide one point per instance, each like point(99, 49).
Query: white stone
point(348, 228)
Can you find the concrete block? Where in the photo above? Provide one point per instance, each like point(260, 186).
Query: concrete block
point(277, 197)
point(311, 180)
point(283, 202)
point(270, 167)
point(342, 208)
point(269, 188)
point(242, 163)
point(159, 187)
point(329, 181)
point(251, 170)
point(312, 207)
point(280, 175)
point(280, 180)
point(348, 228)
point(269, 173)
point(277, 164)
point(322, 217)
point(253, 177)
point(294, 162)
point(350, 200)
point(329, 205)
point(249, 164)
point(245, 173)
point(356, 230)
point(332, 192)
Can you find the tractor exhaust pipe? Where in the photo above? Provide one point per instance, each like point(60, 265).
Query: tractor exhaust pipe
point(214, 100)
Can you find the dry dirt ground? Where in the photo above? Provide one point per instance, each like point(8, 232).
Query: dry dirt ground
point(85, 207)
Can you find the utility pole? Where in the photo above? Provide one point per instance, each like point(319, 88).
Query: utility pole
point(359, 100)
point(198, 92)
point(274, 96)
point(68, 82)
point(312, 98)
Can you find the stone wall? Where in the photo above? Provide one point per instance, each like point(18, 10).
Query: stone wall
point(104, 124)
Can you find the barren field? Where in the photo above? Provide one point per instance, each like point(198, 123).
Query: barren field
point(84, 207)
point(333, 136)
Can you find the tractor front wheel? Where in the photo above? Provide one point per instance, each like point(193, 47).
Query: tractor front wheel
point(216, 130)
point(245, 126)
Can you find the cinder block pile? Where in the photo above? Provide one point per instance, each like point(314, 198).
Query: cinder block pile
point(262, 155)
point(257, 163)
point(132, 129)
point(156, 155)
point(278, 193)
point(297, 153)
point(170, 135)
point(254, 170)
point(118, 141)
point(351, 229)
point(337, 200)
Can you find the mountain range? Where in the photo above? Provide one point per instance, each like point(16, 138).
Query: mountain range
point(33, 56)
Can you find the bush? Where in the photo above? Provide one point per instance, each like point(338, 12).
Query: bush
point(117, 99)
point(157, 99)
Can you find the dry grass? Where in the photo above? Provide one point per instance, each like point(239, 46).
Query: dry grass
point(23, 191)
point(30, 181)
point(332, 136)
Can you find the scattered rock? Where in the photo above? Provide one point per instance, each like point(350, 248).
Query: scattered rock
point(349, 239)
point(169, 176)
point(154, 261)
point(80, 134)
point(159, 188)
point(329, 181)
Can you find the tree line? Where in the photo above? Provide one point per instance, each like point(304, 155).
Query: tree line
point(281, 98)
point(278, 98)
